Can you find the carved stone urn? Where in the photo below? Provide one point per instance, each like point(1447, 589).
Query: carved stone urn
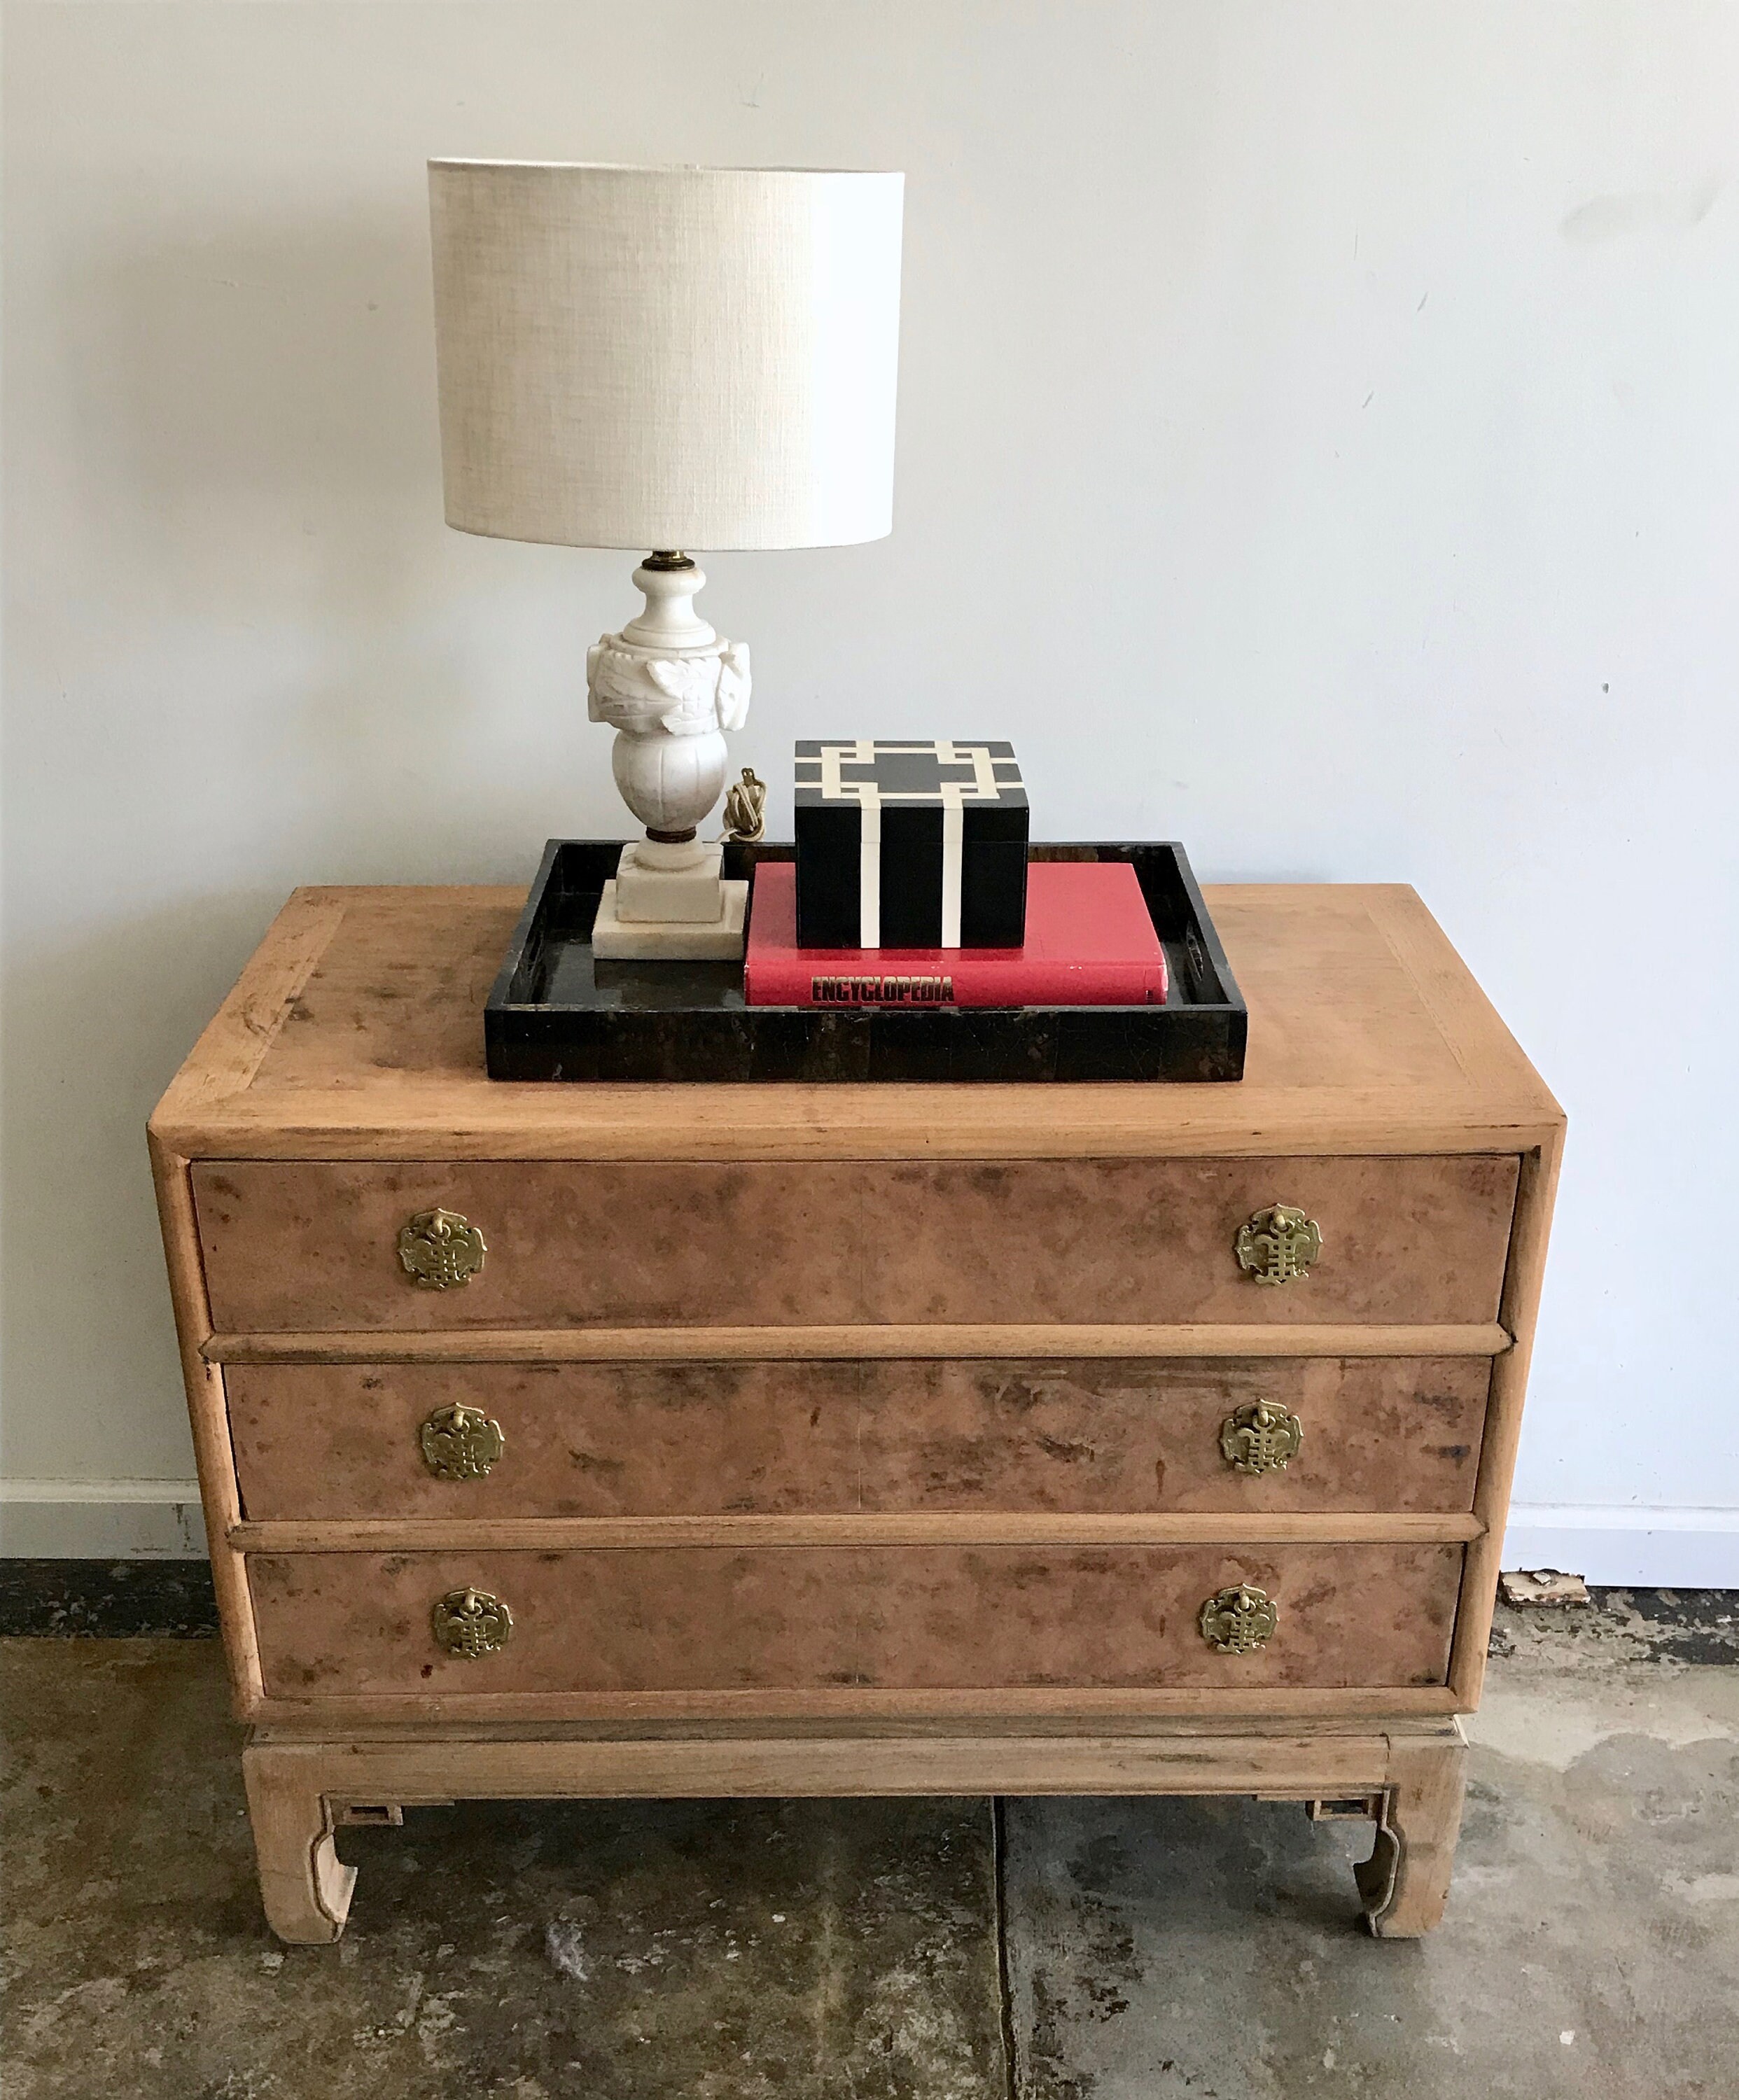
point(670, 687)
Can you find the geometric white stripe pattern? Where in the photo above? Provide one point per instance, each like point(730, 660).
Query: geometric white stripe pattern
point(952, 795)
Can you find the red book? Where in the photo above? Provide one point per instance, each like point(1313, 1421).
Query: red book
point(1089, 942)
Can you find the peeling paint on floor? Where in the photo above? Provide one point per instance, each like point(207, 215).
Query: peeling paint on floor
point(850, 1950)
point(1590, 1947)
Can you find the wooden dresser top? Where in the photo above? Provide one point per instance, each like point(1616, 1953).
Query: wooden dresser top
point(356, 1031)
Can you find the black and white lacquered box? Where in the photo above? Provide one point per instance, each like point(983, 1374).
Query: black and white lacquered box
point(910, 845)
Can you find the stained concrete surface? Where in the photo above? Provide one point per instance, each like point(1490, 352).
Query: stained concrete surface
point(612, 1951)
point(1590, 1945)
point(1125, 1948)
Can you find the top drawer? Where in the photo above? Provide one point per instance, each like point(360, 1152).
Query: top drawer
point(294, 1246)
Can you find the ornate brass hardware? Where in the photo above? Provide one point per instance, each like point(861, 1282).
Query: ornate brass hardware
point(462, 1443)
point(471, 1623)
point(1258, 1437)
point(1240, 1620)
point(1278, 1246)
point(438, 1248)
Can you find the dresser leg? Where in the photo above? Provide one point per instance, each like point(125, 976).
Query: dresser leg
point(1405, 1883)
point(304, 1885)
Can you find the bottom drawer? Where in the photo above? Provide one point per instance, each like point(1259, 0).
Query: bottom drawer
point(703, 1618)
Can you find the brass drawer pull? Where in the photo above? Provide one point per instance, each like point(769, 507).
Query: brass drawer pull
point(1278, 1245)
point(1240, 1620)
point(471, 1623)
point(462, 1443)
point(1258, 1437)
point(437, 1249)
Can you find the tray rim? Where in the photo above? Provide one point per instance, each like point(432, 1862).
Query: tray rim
point(499, 1002)
point(501, 1010)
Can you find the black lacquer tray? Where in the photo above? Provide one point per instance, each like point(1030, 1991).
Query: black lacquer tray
point(556, 1011)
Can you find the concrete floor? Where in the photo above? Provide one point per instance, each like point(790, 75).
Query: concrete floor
point(1121, 1950)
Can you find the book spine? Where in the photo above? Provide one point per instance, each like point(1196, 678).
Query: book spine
point(790, 981)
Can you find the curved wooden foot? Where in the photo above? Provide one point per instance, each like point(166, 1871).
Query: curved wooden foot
point(304, 1885)
point(1404, 1884)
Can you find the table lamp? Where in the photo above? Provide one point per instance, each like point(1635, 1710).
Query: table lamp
point(663, 359)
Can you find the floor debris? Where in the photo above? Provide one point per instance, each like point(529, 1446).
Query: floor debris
point(1522, 1586)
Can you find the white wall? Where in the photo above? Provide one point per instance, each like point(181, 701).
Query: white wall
point(1330, 410)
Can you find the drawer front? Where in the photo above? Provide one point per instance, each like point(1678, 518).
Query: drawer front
point(333, 1440)
point(295, 1246)
point(307, 1246)
point(707, 1619)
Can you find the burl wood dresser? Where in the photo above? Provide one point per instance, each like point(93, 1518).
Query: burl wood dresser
point(710, 1440)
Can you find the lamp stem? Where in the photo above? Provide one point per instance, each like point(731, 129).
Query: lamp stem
point(668, 582)
point(670, 688)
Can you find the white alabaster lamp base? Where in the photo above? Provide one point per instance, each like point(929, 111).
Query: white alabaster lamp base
point(614, 938)
point(670, 687)
point(655, 883)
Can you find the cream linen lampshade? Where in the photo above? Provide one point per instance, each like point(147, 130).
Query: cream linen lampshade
point(666, 357)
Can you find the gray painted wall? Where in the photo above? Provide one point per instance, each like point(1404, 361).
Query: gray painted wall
point(1318, 441)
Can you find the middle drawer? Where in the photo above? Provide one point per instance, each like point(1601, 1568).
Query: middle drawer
point(463, 1440)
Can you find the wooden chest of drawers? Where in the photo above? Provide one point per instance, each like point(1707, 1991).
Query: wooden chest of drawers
point(678, 1439)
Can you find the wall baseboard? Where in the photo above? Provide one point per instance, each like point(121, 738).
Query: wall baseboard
point(1616, 1545)
point(101, 1520)
point(1621, 1545)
